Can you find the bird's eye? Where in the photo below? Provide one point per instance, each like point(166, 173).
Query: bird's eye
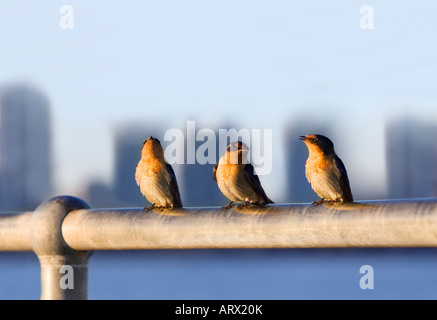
point(314, 140)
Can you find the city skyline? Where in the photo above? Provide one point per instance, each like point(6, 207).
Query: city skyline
point(409, 159)
point(25, 148)
point(254, 64)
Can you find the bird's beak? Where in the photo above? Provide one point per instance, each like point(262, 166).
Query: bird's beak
point(148, 139)
point(242, 148)
point(303, 138)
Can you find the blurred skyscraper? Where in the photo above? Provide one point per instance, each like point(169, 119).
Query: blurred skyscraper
point(411, 155)
point(296, 154)
point(25, 148)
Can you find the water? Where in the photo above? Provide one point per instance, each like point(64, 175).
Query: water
point(239, 274)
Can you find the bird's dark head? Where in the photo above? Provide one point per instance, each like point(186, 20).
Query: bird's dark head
point(151, 140)
point(237, 152)
point(237, 146)
point(318, 143)
point(152, 147)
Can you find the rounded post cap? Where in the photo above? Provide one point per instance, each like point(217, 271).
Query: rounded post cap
point(46, 225)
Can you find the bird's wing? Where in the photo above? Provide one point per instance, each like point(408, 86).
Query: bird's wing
point(253, 179)
point(174, 188)
point(214, 172)
point(344, 180)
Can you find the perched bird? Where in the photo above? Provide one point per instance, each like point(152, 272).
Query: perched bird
point(236, 178)
point(156, 178)
point(325, 171)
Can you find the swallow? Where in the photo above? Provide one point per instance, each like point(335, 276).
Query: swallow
point(156, 178)
point(325, 171)
point(236, 178)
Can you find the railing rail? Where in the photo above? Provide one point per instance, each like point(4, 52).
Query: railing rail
point(64, 231)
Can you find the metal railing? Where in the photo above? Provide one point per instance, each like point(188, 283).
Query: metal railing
point(64, 231)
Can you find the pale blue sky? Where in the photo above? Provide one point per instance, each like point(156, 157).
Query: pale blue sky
point(257, 63)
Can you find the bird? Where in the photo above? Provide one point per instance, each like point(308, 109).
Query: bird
point(156, 178)
point(325, 171)
point(236, 178)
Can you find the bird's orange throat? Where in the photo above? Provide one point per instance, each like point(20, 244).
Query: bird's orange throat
point(318, 161)
point(151, 166)
point(152, 151)
point(233, 158)
point(228, 166)
point(313, 149)
point(316, 157)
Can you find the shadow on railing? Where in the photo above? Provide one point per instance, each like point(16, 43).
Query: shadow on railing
point(64, 231)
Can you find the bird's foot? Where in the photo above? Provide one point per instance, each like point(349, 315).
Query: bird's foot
point(151, 207)
point(318, 203)
point(229, 206)
point(244, 205)
point(155, 207)
point(334, 201)
point(167, 206)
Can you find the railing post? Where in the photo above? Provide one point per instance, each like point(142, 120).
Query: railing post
point(64, 271)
